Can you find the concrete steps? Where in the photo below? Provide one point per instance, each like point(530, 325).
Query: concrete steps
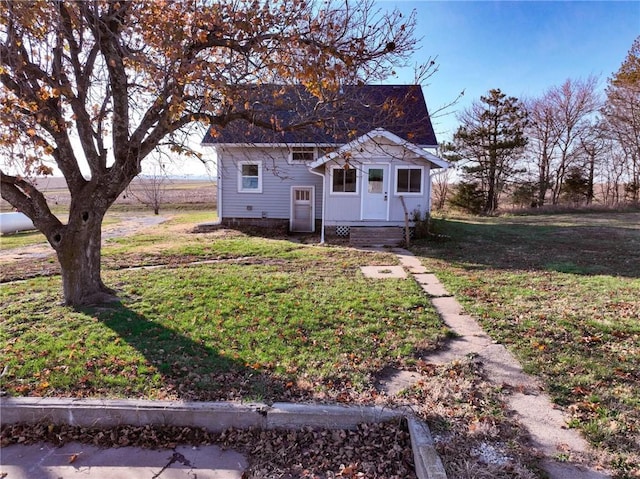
point(376, 236)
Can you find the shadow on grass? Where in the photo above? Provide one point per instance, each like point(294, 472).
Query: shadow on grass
point(600, 248)
point(192, 370)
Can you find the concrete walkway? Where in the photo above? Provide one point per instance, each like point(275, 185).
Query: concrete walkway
point(75, 460)
point(546, 424)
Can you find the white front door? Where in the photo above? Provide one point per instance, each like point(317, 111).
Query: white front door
point(302, 211)
point(375, 192)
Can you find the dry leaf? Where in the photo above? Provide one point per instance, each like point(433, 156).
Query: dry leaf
point(73, 457)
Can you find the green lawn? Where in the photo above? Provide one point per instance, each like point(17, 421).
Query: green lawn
point(563, 293)
point(289, 321)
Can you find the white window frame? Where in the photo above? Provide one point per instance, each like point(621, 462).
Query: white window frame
point(305, 149)
point(407, 193)
point(241, 188)
point(343, 193)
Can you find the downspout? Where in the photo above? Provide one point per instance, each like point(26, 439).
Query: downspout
point(431, 175)
point(323, 203)
point(219, 174)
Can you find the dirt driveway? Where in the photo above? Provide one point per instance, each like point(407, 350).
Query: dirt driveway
point(23, 257)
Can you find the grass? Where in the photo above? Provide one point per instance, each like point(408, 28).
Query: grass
point(21, 239)
point(563, 295)
point(300, 321)
point(270, 319)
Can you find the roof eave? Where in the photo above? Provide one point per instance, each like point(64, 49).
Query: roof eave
point(417, 149)
point(270, 145)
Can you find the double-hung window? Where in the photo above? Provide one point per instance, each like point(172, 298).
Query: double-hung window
point(250, 177)
point(409, 180)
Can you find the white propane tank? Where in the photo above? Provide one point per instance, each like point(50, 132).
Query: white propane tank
point(14, 222)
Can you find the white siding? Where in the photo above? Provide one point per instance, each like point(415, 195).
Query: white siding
point(278, 176)
point(346, 209)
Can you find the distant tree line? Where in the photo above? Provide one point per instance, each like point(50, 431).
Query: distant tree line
point(569, 146)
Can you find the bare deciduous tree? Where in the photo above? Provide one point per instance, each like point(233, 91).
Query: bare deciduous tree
point(543, 140)
point(150, 188)
point(557, 123)
point(573, 104)
point(622, 116)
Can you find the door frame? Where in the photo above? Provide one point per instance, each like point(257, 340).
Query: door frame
point(312, 200)
point(386, 167)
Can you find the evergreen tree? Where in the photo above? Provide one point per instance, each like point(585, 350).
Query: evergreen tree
point(575, 188)
point(491, 139)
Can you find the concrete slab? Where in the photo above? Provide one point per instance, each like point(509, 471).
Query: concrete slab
point(413, 264)
point(426, 278)
point(465, 325)
point(75, 460)
point(435, 290)
point(455, 350)
point(383, 272)
point(448, 305)
point(546, 424)
point(397, 380)
point(504, 369)
point(565, 470)
point(47, 462)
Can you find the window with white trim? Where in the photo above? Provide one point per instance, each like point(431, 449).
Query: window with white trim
point(250, 177)
point(409, 180)
point(343, 180)
point(303, 154)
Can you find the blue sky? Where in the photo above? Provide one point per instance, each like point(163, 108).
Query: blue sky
point(521, 47)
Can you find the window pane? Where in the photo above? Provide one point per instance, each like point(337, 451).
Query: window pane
point(375, 180)
point(403, 181)
point(249, 183)
point(415, 181)
point(249, 170)
point(338, 181)
point(350, 181)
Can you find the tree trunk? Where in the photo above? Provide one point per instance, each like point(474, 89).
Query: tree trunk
point(78, 246)
point(543, 182)
point(491, 204)
point(591, 179)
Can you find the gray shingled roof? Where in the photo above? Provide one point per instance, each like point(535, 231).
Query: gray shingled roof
point(399, 109)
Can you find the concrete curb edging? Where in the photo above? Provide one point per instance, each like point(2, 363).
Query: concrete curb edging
point(427, 461)
point(218, 416)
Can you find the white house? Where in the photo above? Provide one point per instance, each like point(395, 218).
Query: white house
point(368, 166)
